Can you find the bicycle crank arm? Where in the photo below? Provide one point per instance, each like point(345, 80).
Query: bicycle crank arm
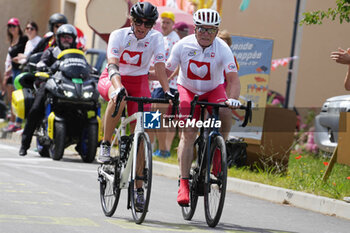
point(106, 175)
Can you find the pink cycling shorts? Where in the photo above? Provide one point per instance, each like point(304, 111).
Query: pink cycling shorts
point(136, 86)
point(216, 95)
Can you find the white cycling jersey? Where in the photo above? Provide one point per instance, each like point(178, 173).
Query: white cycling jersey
point(135, 55)
point(201, 70)
point(169, 42)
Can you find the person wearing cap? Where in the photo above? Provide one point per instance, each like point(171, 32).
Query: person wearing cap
point(17, 44)
point(203, 58)
point(165, 137)
point(181, 28)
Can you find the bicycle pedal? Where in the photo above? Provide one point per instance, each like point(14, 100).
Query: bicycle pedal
point(184, 205)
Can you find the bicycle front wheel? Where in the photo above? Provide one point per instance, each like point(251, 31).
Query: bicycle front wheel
point(140, 187)
point(215, 182)
point(109, 188)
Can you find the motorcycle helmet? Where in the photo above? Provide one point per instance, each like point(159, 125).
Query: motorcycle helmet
point(144, 10)
point(66, 29)
point(206, 17)
point(55, 19)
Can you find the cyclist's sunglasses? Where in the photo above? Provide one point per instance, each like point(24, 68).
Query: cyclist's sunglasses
point(209, 30)
point(139, 22)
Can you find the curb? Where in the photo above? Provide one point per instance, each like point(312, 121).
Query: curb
point(274, 194)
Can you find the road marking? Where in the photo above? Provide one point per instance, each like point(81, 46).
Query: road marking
point(8, 183)
point(44, 220)
point(21, 191)
point(52, 168)
point(40, 203)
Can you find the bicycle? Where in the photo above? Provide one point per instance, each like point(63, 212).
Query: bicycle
point(133, 163)
point(208, 175)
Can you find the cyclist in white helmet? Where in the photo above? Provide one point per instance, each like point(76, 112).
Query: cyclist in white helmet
point(202, 58)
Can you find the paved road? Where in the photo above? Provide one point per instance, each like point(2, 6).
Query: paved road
point(41, 195)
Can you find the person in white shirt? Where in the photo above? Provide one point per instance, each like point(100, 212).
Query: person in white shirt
point(165, 137)
point(202, 58)
point(31, 31)
point(129, 54)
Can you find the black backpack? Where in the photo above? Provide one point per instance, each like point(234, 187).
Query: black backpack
point(236, 152)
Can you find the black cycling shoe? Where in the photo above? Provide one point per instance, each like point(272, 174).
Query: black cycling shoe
point(140, 200)
point(22, 151)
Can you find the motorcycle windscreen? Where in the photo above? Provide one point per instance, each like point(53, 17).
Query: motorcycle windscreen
point(74, 65)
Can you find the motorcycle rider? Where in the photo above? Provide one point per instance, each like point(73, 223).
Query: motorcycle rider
point(49, 39)
point(55, 21)
point(66, 39)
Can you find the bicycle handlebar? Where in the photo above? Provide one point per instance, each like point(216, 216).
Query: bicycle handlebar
point(247, 108)
point(143, 100)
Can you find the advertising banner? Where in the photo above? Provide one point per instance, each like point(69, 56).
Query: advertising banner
point(254, 58)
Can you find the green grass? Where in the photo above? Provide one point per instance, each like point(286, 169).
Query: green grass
point(304, 174)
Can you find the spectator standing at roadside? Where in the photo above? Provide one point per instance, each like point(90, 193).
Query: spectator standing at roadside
point(17, 44)
point(165, 137)
point(31, 31)
point(181, 28)
point(225, 36)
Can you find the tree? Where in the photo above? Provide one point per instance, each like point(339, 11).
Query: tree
point(342, 11)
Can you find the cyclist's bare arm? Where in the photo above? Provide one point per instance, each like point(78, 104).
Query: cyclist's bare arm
point(233, 87)
point(175, 73)
point(161, 75)
point(114, 75)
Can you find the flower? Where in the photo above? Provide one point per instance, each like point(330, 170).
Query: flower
point(298, 157)
point(348, 177)
point(325, 163)
point(334, 183)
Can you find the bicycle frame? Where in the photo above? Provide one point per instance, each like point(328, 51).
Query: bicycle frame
point(204, 151)
point(207, 140)
point(120, 131)
point(215, 132)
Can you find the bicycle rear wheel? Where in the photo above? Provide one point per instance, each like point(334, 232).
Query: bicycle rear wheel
point(109, 176)
point(143, 180)
point(215, 183)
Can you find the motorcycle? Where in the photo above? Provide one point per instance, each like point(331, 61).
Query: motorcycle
point(72, 114)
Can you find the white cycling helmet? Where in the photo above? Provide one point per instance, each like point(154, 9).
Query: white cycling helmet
point(207, 17)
